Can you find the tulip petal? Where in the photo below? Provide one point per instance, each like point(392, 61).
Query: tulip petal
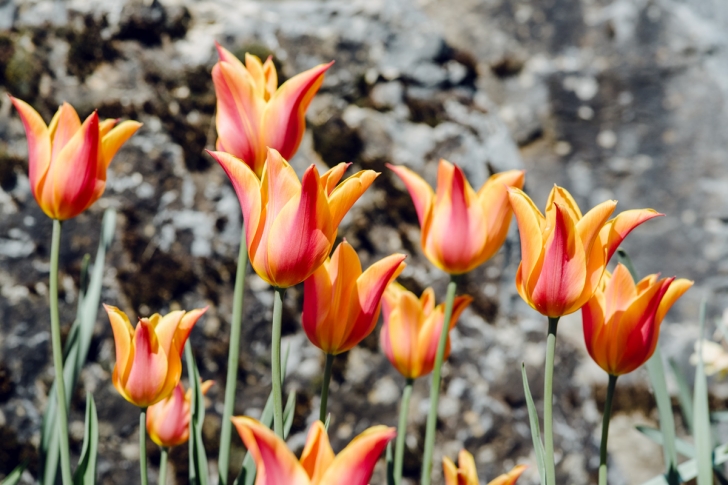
point(562, 197)
point(529, 221)
point(466, 464)
point(284, 117)
point(493, 199)
point(149, 370)
point(317, 455)
point(401, 334)
point(677, 289)
point(123, 333)
point(509, 478)
point(255, 69)
point(63, 128)
point(317, 291)
point(39, 144)
point(589, 226)
point(614, 232)
point(185, 327)
point(355, 464)
point(168, 420)
point(166, 329)
point(348, 192)
point(450, 471)
point(113, 140)
point(333, 176)
point(106, 125)
point(422, 195)
point(275, 464)
point(620, 292)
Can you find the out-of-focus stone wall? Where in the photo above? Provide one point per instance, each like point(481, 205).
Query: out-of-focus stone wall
point(623, 99)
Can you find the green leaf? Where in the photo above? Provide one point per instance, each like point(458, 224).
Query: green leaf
point(684, 395)
point(719, 416)
point(689, 469)
point(288, 414)
point(390, 464)
point(328, 421)
point(76, 348)
point(535, 428)
point(701, 413)
point(683, 447)
point(86, 471)
point(14, 476)
point(198, 457)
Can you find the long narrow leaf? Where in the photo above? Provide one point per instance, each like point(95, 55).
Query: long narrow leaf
point(14, 476)
point(689, 469)
point(684, 395)
point(701, 416)
point(288, 414)
point(86, 471)
point(390, 464)
point(76, 348)
point(683, 447)
point(198, 457)
point(535, 428)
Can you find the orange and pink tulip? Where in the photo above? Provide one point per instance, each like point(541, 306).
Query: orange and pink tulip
point(148, 358)
point(564, 254)
point(67, 160)
point(622, 320)
point(341, 303)
point(168, 421)
point(277, 465)
point(466, 474)
point(461, 228)
point(291, 225)
point(412, 328)
point(254, 113)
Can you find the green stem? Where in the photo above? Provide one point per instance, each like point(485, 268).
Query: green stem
point(325, 387)
point(402, 431)
point(143, 445)
point(276, 361)
point(605, 430)
point(163, 466)
point(233, 357)
point(548, 392)
point(62, 414)
point(435, 388)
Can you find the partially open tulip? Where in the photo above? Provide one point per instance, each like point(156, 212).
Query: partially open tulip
point(466, 474)
point(253, 113)
point(277, 465)
point(412, 328)
point(67, 160)
point(564, 254)
point(461, 228)
point(622, 319)
point(290, 225)
point(341, 303)
point(168, 421)
point(148, 364)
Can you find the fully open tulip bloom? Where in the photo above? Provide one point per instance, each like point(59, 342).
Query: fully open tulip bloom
point(564, 254)
point(341, 303)
point(290, 225)
point(461, 228)
point(67, 160)
point(466, 474)
point(148, 364)
point(168, 421)
point(622, 319)
point(253, 113)
point(412, 328)
point(277, 465)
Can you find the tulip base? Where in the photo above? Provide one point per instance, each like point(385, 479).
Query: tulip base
point(325, 387)
point(402, 431)
point(276, 361)
point(163, 465)
point(548, 392)
point(605, 430)
point(143, 446)
point(435, 387)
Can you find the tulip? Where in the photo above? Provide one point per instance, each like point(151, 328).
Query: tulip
point(412, 328)
point(168, 421)
point(622, 320)
point(466, 474)
point(253, 113)
point(461, 229)
point(277, 465)
point(291, 225)
point(67, 160)
point(564, 254)
point(148, 358)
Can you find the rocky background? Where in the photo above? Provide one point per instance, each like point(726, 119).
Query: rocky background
point(620, 99)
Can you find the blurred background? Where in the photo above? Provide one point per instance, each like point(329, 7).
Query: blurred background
point(622, 99)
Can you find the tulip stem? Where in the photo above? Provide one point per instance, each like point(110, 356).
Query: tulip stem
point(163, 466)
point(143, 445)
point(605, 430)
point(402, 431)
point(431, 428)
point(548, 392)
point(276, 361)
point(325, 387)
point(62, 417)
point(233, 357)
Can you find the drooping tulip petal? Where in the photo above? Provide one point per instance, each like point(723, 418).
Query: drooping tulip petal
point(355, 463)
point(622, 320)
point(115, 138)
point(509, 478)
point(564, 254)
point(461, 229)
point(290, 225)
point(168, 421)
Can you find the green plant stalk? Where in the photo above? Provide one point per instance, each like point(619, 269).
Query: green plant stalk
point(62, 416)
point(163, 466)
point(548, 409)
point(605, 430)
point(402, 431)
point(431, 428)
point(276, 361)
point(143, 445)
point(233, 358)
point(325, 387)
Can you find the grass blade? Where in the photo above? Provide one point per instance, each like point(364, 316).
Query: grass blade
point(198, 457)
point(288, 414)
point(14, 476)
point(535, 428)
point(683, 447)
point(689, 469)
point(684, 395)
point(86, 471)
point(701, 413)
